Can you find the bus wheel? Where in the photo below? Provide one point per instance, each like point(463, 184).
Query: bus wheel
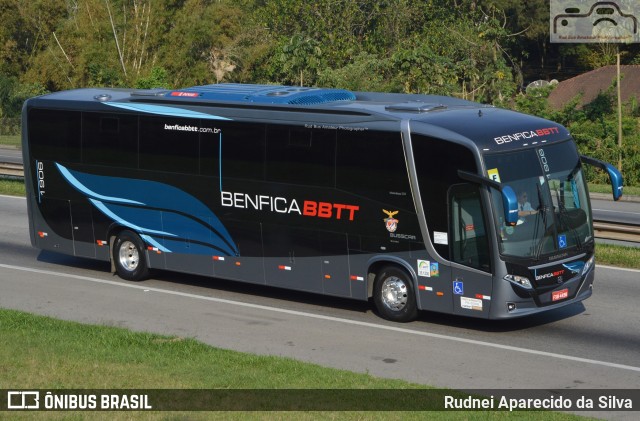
point(394, 296)
point(129, 258)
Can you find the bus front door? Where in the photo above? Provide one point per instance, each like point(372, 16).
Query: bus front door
point(471, 265)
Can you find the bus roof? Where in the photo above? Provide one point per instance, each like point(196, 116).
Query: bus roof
point(489, 128)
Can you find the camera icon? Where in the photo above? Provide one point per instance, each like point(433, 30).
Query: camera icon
point(575, 21)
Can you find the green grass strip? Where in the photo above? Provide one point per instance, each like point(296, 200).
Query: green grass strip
point(13, 141)
point(43, 353)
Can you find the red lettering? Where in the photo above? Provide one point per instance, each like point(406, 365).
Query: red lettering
point(309, 208)
point(338, 207)
point(352, 210)
point(324, 210)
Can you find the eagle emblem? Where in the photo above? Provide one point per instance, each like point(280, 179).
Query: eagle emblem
point(391, 222)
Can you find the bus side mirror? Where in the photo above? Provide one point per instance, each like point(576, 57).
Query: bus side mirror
point(509, 198)
point(617, 181)
point(510, 205)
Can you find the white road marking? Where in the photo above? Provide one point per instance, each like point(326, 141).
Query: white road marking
point(328, 318)
point(616, 211)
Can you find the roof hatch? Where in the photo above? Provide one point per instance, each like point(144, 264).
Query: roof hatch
point(265, 94)
point(415, 107)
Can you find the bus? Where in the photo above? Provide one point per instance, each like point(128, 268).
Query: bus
point(414, 202)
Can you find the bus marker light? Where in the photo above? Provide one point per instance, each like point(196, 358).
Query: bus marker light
point(425, 288)
point(282, 267)
point(101, 242)
point(42, 234)
point(356, 278)
point(483, 297)
point(327, 276)
point(218, 258)
point(154, 249)
point(238, 263)
point(440, 294)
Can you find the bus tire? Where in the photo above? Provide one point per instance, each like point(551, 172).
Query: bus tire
point(394, 295)
point(129, 257)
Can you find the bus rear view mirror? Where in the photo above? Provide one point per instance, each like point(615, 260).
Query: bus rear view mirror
point(509, 198)
point(615, 177)
point(510, 205)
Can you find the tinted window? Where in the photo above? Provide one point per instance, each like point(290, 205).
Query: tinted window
point(54, 135)
point(210, 138)
point(372, 164)
point(243, 150)
point(469, 240)
point(437, 164)
point(301, 156)
point(169, 144)
point(110, 139)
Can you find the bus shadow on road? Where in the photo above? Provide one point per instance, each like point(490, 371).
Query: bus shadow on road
point(507, 325)
point(64, 260)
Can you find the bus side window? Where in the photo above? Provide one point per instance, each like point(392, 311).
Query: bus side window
point(301, 156)
point(110, 139)
point(469, 245)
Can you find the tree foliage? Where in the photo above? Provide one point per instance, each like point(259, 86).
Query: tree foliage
point(483, 50)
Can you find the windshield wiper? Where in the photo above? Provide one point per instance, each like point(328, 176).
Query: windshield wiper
point(542, 209)
point(566, 223)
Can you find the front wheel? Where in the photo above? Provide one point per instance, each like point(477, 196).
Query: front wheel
point(394, 296)
point(128, 257)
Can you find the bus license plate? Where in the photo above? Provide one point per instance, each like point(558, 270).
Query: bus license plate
point(560, 295)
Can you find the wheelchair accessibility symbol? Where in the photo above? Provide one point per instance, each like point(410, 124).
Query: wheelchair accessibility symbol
point(562, 241)
point(458, 287)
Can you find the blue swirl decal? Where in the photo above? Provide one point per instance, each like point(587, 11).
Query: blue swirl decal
point(165, 111)
point(165, 216)
point(575, 267)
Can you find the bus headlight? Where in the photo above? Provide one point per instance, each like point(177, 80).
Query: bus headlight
point(521, 281)
point(588, 264)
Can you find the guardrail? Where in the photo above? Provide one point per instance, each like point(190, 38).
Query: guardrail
point(616, 231)
point(9, 170)
point(603, 229)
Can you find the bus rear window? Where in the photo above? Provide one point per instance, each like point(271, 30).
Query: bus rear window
point(54, 134)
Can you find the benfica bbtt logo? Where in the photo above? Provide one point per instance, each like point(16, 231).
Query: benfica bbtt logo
point(391, 222)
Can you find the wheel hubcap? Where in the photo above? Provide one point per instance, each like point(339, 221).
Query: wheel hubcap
point(394, 293)
point(129, 256)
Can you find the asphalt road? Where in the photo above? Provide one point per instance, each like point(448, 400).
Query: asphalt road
point(12, 156)
point(591, 345)
point(619, 212)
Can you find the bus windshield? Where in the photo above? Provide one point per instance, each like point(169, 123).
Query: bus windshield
point(554, 214)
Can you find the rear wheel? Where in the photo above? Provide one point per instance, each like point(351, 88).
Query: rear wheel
point(394, 296)
point(128, 257)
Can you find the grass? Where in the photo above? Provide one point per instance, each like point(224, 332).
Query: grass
point(611, 255)
point(605, 188)
point(43, 353)
point(10, 140)
point(12, 187)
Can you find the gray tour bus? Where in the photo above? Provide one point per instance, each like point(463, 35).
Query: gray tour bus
point(416, 202)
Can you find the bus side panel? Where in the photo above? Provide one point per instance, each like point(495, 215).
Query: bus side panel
point(84, 243)
point(54, 233)
point(248, 238)
point(292, 258)
point(434, 283)
point(335, 264)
